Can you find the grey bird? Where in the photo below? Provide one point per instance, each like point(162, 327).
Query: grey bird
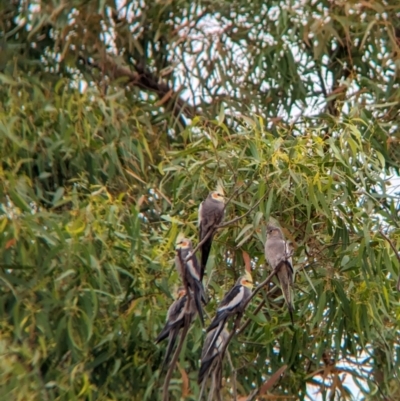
point(175, 322)
point(211, 213)
point(210, 355)
point(188, 267)
point(278, 256)
point(234, 303)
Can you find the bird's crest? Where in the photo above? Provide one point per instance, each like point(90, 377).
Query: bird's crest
point(179, 238)
point(220, 189)
point(218, 194)
point(272, 226)
point(247, 276)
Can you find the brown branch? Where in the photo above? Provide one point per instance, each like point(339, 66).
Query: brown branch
point(144, 79)
point(391, 245)
point(199, 245)
point(234, 385)
point(247, 322)
point(395, 252)
point(262, 303)
point(228, 223)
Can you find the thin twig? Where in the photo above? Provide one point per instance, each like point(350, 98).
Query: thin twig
point(261, 285)
point(262, 303)
point(232, 195)
point(228, 223)
point(144, 79)
point(395, 252)
point(212, 388)
point(234, 387)
point(391, 245)
point(199, 245)
point(245, 324)
point(252, 395)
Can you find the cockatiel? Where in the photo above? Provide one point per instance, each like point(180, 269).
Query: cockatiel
point(277, 254)
point(211, 213)
point(210, 355)
point(234, 303)
point(175, 321)
point(190, 272)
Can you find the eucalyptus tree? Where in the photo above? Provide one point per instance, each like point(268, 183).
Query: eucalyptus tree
point(118, 118)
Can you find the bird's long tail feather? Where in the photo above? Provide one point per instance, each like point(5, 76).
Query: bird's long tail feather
point(285, 277)
point(204, 371)
point(216, 321)
point(197, 300)
point(164, 334)
point(218, 331)
point(205, 252)
point(203, 294)
point(173, 335)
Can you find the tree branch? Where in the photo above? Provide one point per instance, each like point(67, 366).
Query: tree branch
point(144, 79)
point(244, 325)
point(228, 223)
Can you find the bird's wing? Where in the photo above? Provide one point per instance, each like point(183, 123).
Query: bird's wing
point(227, 307)
point(275, 251)
point(200, 214)
point(175, 318)
point(289, 260)
point(206, 345)
point(212, 348)
point(178, 264)
point(211, 215)
point(193, 268)
point(221, 340)
point(232, 299)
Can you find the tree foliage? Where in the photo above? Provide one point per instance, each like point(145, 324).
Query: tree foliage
point(117, 118)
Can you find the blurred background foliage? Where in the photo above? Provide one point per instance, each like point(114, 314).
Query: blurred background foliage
point(117, 118)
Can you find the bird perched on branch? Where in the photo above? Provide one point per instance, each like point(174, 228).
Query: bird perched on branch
point(176, 319)
point(211, 213)
point(210, 356)
point(188, 267)
point(234, 303)
point(278, 256)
